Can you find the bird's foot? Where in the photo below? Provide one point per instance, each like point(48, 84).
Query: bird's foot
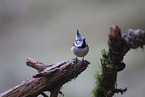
point(76, 59)
point(82, 60)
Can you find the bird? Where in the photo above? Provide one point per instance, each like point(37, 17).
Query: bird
point(80, 48)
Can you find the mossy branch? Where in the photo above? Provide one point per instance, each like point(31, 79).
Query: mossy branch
point(112, 60)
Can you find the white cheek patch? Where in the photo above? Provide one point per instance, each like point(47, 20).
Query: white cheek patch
point(78, 43)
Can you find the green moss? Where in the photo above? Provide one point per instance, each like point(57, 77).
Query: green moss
point(98, 89)
point(104, 52)
point(104, 78)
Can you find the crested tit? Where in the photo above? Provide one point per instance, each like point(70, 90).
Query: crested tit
point(80, 47)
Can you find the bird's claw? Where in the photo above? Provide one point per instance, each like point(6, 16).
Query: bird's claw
point(82, 60)
point(76, 59)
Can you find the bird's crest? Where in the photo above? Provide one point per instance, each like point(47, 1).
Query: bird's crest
point(78, 36)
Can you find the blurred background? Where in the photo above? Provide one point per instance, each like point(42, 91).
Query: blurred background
point(45, 30)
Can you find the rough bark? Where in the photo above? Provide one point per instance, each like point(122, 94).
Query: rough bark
point(49, 78)
point(112, 60)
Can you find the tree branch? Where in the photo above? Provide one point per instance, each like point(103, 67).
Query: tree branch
point(49, 78)
point(112, 61)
